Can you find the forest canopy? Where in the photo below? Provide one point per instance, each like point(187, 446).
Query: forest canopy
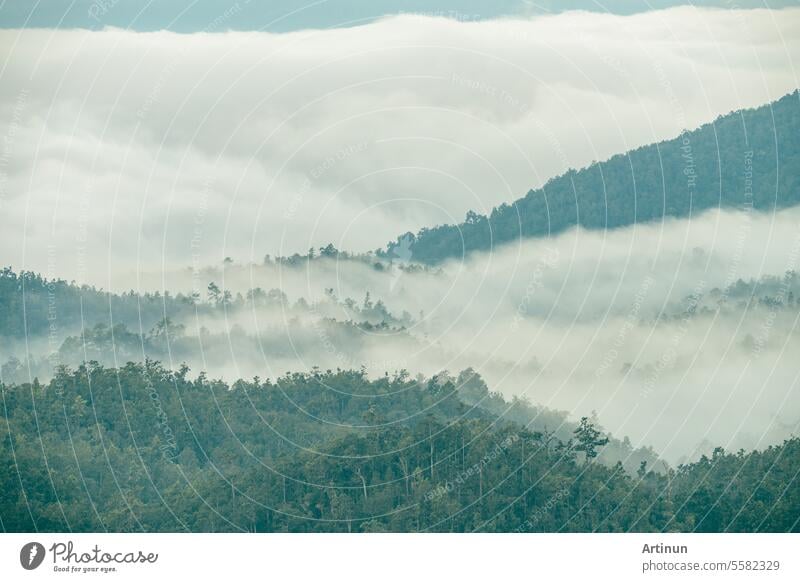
point(747, 159)
point(141, 448)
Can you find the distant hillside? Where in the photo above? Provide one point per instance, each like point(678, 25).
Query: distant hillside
point(33, 306)
point(750, 157)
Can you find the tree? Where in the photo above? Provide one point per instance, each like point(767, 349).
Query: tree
point(642, 470)
point(166, 327)
point(214, 293)
point(471, 387)
point(328, 251)
point(589, 439)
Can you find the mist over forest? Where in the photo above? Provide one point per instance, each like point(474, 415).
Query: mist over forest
point(319, 301)
point(583, 322)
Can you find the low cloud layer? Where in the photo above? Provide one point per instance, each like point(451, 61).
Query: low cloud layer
point(124, 152)
point(592, 321)
point(135, 160)
point(647, 325)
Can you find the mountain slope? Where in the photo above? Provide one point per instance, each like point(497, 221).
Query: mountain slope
point(746, 159)
point(140, 448)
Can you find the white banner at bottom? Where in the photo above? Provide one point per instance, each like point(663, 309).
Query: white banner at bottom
point(400, 557)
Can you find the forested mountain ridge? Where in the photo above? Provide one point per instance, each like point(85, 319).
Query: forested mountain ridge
point(31, 304)
point(141, 448)
point(747, 159)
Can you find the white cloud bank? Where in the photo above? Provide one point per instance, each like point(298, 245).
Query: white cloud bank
point(124, 151)
point(126, 156)
point(575, 322)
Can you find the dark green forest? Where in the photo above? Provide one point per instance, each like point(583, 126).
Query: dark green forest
point(141, 448)
point(30, 303)
point(747, 159)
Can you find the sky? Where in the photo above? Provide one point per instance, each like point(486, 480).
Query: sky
point(289, 15)
point(125, 150)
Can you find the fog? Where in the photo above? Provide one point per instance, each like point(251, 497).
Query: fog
point(643, 325)
point(594, 321)
point(141, 160)
point(577, 323)
point(128, 151)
